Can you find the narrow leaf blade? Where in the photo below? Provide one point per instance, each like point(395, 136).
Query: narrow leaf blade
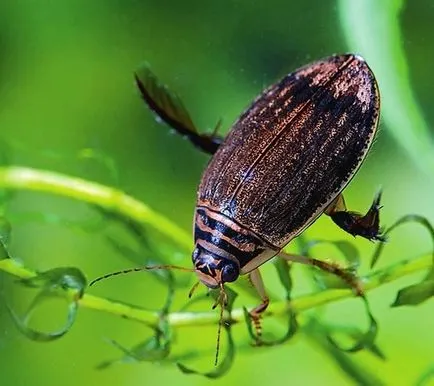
point(414, 294)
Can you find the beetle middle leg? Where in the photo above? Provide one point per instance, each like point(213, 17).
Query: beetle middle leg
point(356, 224)
point(255, 314)
point(350, 278)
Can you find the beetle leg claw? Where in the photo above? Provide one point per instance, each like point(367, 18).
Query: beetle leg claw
point(356, 224)
point(255, 316)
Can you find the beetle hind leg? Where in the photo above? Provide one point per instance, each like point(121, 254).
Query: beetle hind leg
point(334, 268)
point(171, 110)
point(356, 224)
point(256, 313)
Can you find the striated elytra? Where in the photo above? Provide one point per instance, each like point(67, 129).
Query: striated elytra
point(284, 162)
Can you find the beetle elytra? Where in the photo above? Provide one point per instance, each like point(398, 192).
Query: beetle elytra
point(285, 162)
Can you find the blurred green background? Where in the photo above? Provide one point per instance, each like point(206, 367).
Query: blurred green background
point(66, 84)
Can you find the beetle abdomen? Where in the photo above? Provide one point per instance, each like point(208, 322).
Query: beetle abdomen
point(294, 149)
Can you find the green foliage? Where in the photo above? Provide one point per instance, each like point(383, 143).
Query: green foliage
point(364, 340)
point(363, 23)
point(224, 366)
point(57, 282)
point(417, 293)
point(70, 284)
point(66, 83)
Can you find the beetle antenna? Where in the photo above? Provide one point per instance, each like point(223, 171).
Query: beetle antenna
point(139, 269)
point(222, 300)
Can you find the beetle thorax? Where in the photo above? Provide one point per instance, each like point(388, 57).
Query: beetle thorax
point(225, 249)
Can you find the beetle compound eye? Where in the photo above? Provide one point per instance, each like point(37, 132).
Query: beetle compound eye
point(230, 272)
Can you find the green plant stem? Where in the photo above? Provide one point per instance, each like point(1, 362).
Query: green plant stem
point(20, 178)
point(114, 200)
point(181, 319)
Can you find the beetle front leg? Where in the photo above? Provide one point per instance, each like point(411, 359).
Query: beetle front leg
point(255, 314)
point(350, 278)
point(356, 224)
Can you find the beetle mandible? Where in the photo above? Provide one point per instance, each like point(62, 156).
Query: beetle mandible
point(285, 162)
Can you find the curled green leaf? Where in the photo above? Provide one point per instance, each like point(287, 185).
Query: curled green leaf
point(68, 283)
point(365, 340)
point(410, 218)
point(353, 333)
point(151, 350)
point(22, 323)
point(416, 293)
point(224, 365)
point(63, 278)
point(283, 271)
point(317, 331)
point(154, 349)
point(370, 346)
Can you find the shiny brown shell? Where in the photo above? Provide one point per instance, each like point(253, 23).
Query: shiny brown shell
point(294, 149)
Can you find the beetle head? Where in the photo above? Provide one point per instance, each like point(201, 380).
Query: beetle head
point(214, 270)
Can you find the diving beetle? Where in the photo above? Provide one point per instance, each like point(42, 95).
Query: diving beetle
point(285, 162)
